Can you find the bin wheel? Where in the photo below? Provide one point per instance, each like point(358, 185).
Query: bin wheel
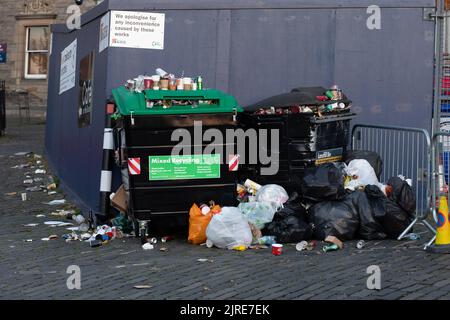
point(143, 236)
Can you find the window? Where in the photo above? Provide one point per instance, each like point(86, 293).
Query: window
point(36, 52)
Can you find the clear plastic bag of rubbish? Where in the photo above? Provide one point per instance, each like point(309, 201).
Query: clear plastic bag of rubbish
point(258, 213)
point(229, 229)
point(272, 193)
point(362, 174)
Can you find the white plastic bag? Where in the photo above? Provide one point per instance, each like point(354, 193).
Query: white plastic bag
point(272, 193)
point(362, 174)
point(229, 229)
point(258, 213)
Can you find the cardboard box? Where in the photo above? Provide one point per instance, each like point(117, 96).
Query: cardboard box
point(119, 200)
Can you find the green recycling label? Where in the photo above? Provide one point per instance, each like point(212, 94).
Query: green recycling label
point(184, 167)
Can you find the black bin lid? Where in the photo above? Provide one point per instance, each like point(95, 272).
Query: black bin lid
point(298, 96)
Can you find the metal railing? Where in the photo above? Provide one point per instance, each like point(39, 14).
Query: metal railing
point(404, 151)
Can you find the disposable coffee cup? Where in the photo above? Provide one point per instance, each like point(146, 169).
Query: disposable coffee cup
point(277, 249)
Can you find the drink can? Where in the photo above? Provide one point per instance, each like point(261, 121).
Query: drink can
point(301, 246)
point(330, 247)
point(153, 240)
point(360, 244)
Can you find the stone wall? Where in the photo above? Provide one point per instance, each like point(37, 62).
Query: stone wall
point(16, 16)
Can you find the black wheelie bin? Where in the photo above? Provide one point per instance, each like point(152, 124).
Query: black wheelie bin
point(160, 182)
point(311, 132)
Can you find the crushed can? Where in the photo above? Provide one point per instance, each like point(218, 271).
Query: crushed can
point(330, 247)
point(311, 245)
point(360, 244)
point(301, 246)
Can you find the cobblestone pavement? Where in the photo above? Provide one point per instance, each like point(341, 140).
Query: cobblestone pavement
point(37, 269)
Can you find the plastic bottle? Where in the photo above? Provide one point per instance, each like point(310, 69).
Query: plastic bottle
point(199, 83)
point(267, 240)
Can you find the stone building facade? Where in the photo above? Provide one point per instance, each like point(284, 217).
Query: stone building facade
point(25, 43)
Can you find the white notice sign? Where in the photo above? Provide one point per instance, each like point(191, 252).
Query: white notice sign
point(68, 67)
point(103, 40)
point(130, 29)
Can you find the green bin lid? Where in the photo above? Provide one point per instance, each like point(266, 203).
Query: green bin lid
point(128, 102)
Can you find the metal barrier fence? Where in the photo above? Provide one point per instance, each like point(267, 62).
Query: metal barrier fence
point(404, 151)
point(2, 107)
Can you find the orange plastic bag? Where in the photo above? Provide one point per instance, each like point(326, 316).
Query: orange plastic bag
point(198, 223)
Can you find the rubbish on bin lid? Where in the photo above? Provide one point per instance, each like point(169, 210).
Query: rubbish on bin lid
point(269, 240)
point(277, 249)
point(28, 181)
point(95, 243)
point(164, 249)
point(11, 194)
point(301, 246)
point(240, 248)
point(147, 246)
point(31, 225)
point(40, 171)
point(330, 247)
point(360, 244)
point(142, 286)
point(56, 202)
point(336, 241)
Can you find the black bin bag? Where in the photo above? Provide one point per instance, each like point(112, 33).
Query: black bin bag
point(323, 183)
point(372, 157)
point(289, 223)
point(334, 218)
point(400, 208)
point(368, 209)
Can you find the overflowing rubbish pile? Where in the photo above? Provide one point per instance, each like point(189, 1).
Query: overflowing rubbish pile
point(337, 202)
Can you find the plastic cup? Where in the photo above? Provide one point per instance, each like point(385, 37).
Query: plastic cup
point(277, 249)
